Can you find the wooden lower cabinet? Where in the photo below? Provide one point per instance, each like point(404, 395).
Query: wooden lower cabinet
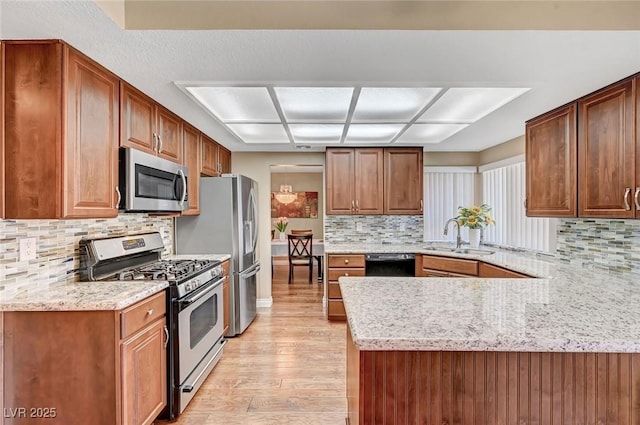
point(78, 367)
point(226, 298)
point(489, 270)
point(339, 265)
point(488, 388)
point(435, 266)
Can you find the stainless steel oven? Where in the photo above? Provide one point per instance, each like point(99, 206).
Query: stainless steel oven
point(200, 326)
point(150, 183)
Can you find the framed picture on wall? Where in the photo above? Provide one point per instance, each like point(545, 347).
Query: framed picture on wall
point(304, 206)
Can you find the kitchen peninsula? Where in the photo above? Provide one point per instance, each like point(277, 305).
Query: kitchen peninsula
point(562, 348)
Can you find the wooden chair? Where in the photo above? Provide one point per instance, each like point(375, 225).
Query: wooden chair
point(300, 250)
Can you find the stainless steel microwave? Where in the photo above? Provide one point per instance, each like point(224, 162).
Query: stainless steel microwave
point(149, 183)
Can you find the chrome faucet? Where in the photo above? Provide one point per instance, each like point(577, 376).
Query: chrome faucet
point(446, 231)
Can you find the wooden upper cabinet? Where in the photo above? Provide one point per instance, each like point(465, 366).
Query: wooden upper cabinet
point(606, 152)
point(340, 169)
point(61, 123)
point(403, 181)
point(551, 158)
point(192, 159)
point(224, 159)
point(636, 192)
point(216, 159)
point(147, 126)
point(368, 178)
point(2, 189)
point(210, 164)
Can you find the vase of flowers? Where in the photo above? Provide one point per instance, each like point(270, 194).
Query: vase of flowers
point(475, 218)
point(281, 224)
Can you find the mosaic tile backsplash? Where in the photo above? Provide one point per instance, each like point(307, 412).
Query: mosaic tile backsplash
point(612, 245)
point(387, 229)
point(57, 246)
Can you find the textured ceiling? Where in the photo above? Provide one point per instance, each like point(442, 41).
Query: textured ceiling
point(558, 65)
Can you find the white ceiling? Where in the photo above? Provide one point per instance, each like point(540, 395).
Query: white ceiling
point(558, 66)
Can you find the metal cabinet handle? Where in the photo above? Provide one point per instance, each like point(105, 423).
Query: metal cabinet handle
point(119, 197)
point(421, 205)
point(159, 144)
point(149, 312)
point(636, 200)
point(357, 205)
point(154, 144)
point(627, 192)
point(525, 203)
point(166, 334)
point(353, 205)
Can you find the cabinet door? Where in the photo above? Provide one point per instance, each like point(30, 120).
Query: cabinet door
point(91, 146)
point(144, 375)
point(2, 190)
point(209, 157)
point(551, 158)
point(403, 181)
point(606, 153)
point(340, 169)
point(369, 185)
point(636, 195)
point(224, 159)
point(137, 120)
point(192, 149)
point(169, 131)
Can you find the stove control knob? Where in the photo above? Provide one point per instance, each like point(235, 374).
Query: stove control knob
point(187, 286)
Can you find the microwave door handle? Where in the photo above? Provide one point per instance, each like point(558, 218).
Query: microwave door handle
point(184, 187)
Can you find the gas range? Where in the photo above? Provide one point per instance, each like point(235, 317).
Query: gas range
point(138, 257)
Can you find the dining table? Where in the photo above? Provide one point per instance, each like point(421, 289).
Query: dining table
point(280, 248)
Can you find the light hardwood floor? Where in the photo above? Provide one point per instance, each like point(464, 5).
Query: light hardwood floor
point(288, 367)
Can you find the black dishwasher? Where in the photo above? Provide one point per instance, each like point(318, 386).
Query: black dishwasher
point(390, 264)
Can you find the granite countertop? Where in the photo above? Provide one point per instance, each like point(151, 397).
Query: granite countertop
point(565, 309)
point(96, 295)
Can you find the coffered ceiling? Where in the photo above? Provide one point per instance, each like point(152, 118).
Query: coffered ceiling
point(389, 65)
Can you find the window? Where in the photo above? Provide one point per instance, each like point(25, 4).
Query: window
point(446, 188)
point(503, 188)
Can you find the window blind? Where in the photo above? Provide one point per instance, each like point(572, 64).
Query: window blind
point(504, 190)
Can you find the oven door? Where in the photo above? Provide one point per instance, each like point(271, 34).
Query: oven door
point(200, 326)
point(151, 183)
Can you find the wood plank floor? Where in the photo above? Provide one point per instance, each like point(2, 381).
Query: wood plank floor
point(288, 367)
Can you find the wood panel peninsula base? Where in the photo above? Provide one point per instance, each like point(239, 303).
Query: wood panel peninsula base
point(489, 387)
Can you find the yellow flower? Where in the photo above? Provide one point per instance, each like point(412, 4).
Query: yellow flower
point(476, 210)
point(488, 219)
point(472, 220)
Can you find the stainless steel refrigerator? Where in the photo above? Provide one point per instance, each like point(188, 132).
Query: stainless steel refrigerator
point(228, 223)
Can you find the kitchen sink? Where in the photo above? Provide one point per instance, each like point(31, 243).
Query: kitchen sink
point(472, 251)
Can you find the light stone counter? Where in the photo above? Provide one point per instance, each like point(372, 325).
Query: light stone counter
point(98, 295)
point(566, 309)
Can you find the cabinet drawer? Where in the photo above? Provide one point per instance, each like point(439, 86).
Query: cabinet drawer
point(141, 314)
point(348, 260)
point(334, 274)
point(334, 290)
point(335, 310)
point(434, 273)
point(489, 270)
point(455, 265)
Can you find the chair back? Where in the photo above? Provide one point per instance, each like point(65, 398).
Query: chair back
point(301, 232)
point(300, 246)
point(273, 234)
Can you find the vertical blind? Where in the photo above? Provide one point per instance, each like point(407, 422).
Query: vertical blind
point(446, 188)
point(503, 189)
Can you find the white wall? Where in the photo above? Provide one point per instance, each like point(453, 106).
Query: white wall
point(257, 166)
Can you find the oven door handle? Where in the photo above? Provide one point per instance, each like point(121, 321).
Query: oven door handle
point(190, 300)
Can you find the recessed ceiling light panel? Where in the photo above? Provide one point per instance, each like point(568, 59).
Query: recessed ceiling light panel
point(260, 133)
point(237, 104)
point(314, 104)
point(372, 133)
point(429, 133)
point(316, 133)
point(469, 104)
point(385, 104)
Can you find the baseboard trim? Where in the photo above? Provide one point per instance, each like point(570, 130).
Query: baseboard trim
point(264, 302)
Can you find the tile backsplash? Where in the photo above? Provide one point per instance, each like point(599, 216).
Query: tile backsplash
point(612, 245)
point(388, 229)
point(57, 246)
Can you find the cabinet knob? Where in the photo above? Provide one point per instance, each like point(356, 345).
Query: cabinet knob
point(346, 261)
point(149, 312)
point(346, 274)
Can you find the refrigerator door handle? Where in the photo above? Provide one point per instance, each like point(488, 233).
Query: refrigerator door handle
point(254, 206)
point(251, 271)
